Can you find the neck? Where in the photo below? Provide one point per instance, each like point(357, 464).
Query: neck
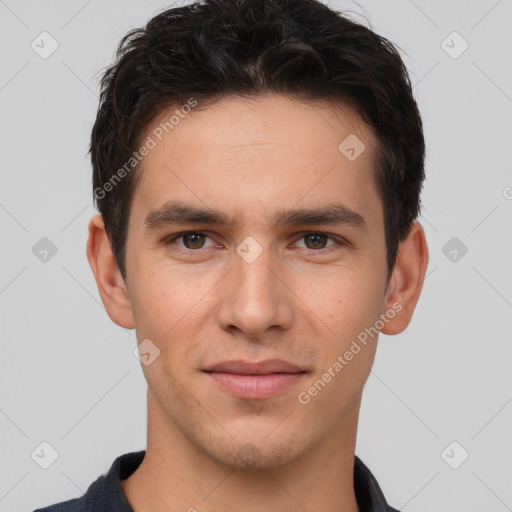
point(177, 475)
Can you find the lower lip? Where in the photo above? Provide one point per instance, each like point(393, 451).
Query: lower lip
point(255, 386)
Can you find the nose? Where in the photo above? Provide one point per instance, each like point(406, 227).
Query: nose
point(256, 298)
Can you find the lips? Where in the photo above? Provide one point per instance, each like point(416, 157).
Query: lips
point(255, 381)
point(262, 368)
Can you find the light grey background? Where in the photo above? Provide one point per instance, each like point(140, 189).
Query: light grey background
point(68, 374)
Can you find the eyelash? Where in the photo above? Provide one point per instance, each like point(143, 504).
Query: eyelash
point(339, 241)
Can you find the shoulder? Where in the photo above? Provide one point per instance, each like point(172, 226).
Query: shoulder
point(74, 505)
point(106, 492)
point(369, 495)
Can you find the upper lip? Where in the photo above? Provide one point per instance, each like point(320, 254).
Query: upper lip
point(242, 367)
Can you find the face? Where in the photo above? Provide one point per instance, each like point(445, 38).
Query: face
point(253, 281)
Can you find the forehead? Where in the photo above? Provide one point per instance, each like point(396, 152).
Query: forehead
point(246, 155)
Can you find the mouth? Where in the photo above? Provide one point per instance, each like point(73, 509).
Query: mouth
point(255, 381)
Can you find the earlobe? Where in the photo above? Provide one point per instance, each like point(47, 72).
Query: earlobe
point(111, 286)
point(407, 280)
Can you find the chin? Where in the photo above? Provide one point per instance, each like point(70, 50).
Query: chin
point(255, 455)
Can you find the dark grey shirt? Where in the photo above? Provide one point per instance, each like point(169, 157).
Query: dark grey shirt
point(106, 493)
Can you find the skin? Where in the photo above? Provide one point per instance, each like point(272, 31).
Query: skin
point(304, 303)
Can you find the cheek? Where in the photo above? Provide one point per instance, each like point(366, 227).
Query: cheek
point(345, 302)
point(170, 309)
point(165, 295)
point(346, 351)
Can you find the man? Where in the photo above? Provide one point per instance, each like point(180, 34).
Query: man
point(257, 166)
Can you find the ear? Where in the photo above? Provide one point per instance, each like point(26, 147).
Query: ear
point(111, 286)
point(406, 280)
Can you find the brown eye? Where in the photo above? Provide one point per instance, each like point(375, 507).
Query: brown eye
point(320, 242)
point(193, 240)
point(316, 241)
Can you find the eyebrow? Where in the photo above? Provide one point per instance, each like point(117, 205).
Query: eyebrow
point(178, 212)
